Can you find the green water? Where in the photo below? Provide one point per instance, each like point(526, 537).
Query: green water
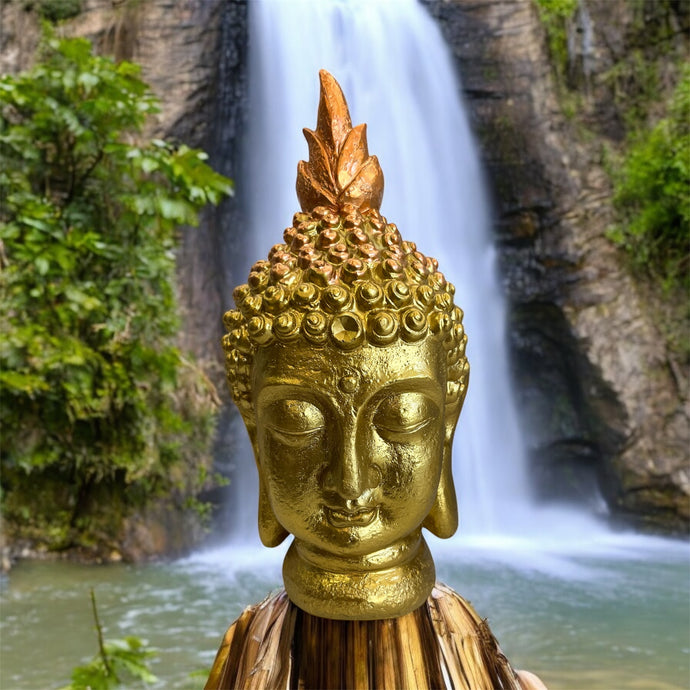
point(615, 617)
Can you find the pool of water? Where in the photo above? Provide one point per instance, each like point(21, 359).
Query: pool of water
point(607, 615)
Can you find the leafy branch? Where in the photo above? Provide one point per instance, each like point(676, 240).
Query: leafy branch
point(116, 660)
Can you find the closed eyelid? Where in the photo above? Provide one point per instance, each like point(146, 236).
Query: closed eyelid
point(294, 417)
point(290, 431)
point(405, 413)
point(406, 427)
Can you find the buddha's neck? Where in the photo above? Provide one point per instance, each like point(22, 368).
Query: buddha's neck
point(385, 584)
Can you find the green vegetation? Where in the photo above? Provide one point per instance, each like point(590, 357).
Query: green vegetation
point(55, 10)
point(554, 15)
point(116, 661)
point(652, 195)
point(101, 413)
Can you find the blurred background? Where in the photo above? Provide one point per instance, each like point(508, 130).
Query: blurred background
point(540, 149)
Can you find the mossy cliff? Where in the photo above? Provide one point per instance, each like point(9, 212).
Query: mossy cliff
point(556, 98)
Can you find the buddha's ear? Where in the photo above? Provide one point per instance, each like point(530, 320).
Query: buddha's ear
point(443, 518)
point(271, 532)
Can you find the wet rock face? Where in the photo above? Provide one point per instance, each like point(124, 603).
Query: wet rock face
point(574, 423)
point(602, 404)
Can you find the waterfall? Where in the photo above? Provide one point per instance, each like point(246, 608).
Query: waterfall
point(398, 77)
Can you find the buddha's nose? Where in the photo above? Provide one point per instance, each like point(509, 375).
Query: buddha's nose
point(351, 472)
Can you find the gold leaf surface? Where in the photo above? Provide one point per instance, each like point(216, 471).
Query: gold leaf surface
point(340, 170)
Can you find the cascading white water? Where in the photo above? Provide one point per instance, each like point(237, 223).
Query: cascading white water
point(397, 76)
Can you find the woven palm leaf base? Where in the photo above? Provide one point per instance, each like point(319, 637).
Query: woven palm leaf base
point(443, 644)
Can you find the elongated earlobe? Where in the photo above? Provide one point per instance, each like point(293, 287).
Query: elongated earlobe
point(443, 518)
point(271, 531)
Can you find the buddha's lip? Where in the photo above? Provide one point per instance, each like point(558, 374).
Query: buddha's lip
point(342, 517)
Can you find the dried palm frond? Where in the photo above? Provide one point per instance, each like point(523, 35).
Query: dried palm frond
point(443, 644)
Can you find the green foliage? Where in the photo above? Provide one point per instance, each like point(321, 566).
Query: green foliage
point(93, 390)
point(554, 15)
point(55, 10)
point(117, 661)
point(126, 659)
point(652, 195)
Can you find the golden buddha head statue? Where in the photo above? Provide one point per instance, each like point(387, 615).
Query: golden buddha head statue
point(346, 357)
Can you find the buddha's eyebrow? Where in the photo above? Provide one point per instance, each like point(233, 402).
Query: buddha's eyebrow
point(414, 384)
point(281, 388)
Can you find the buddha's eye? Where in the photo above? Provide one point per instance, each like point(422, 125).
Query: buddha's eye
point(402, 414)
point(294, 422)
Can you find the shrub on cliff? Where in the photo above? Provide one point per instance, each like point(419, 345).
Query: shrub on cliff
point(555, 16)
point(100, 411)
point(54, 10)
point(652, 194)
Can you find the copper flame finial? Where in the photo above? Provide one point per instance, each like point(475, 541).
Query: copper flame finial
point(340, 170)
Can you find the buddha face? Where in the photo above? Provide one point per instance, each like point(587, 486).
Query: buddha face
point(350, 446)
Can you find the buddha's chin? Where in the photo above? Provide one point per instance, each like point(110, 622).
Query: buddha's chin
point(386, 583)
point(354, 542)
point(344, 545)
point(352, 535)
